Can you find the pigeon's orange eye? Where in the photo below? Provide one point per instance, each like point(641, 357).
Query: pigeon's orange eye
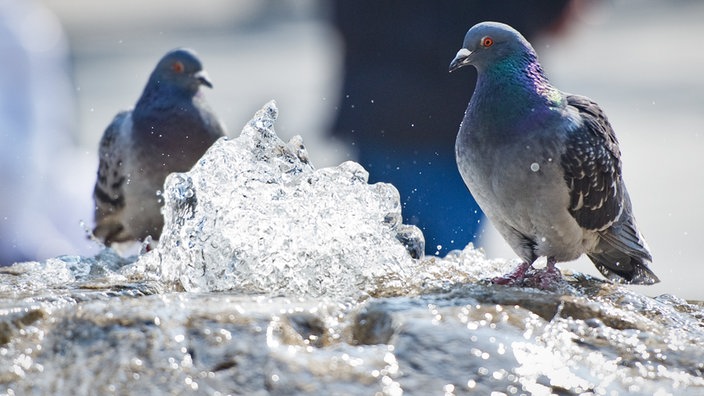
point(177, 67)
point(487, 42)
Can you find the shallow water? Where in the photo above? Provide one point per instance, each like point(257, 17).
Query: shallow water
point(273, 277)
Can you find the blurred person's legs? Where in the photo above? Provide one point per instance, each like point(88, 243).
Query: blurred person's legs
point(433, 195)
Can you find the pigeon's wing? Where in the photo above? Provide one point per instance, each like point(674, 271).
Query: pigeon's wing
point(108, 193)
point(598, 197)
point(592, 165)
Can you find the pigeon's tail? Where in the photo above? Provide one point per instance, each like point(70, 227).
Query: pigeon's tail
point(622, 268)
point(623, 256)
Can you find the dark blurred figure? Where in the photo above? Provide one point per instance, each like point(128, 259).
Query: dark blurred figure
point(401, 108)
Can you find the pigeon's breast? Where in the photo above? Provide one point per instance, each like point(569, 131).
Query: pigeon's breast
point(518, 181)
point(532, 198)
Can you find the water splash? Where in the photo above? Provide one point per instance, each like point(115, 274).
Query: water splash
point(255, 215)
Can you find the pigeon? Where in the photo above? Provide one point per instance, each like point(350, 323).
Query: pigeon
point(169, 129)
point(544, 165)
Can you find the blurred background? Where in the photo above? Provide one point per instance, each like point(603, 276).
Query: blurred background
point(359, 81)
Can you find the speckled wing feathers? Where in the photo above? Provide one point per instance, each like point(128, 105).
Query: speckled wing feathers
point(598, 197)
point(108, 193)
point(592, 164)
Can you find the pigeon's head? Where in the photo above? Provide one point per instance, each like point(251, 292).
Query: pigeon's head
point(181, 68)
point(488, 43)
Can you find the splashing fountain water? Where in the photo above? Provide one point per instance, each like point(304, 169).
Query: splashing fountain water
point(254, 215)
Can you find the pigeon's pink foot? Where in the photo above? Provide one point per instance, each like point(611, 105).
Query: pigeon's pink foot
point(513, 278)
point(547, 278)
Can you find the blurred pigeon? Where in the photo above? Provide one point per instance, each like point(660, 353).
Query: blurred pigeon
point(544, 165)
point(169, 129)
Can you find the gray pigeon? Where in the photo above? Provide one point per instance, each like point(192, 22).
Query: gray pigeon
point(169, 129)
point(544, 165)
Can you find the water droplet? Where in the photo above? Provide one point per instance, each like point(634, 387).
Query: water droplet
point(535, 167)
point(448, 389)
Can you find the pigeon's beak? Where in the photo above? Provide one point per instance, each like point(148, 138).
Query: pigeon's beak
point(203, 78)
point(461, 59)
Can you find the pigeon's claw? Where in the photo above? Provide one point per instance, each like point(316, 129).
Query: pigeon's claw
point(546, 279)
point(516, 277)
